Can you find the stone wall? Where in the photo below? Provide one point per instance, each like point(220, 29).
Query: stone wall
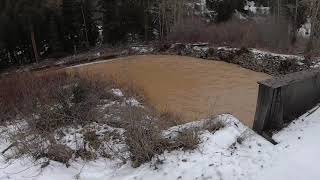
point(270, 63)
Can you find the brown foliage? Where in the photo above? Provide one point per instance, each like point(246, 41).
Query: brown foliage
point(265, 34)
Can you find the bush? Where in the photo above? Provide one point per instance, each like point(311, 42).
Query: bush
point(143, 137)
point(43, 103)
point(42, 109)
point(231, 33)
point(20, 94)
point(213, 126)
point(167, 119)
point(238, 33)
point(187, 139)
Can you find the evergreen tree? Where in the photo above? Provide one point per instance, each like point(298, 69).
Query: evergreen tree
point(53, 25)
point(225, 8)
point(71, 13)
point(29, 14)
point(126, 20)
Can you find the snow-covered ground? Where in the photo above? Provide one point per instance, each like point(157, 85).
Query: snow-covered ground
point(234, 152)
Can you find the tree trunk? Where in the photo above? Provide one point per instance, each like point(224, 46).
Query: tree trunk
point(85, 25)
point(314, 10)
point(34, 44)
point(295, 24)
point(146, 21)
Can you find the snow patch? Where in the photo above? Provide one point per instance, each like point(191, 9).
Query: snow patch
point(251, 7)
point(220, 156)
point(305, 29)
point(284, 56)
point(133, 102)
point(117, 92)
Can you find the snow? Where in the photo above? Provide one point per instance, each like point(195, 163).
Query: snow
point(86, 64)
point(117, 92)
point(142, 49)
point(260, 53)
point(317, 64)
point(220, 156)
point(305, 29)
point(251, 7)
point(298, 151)
point(284, 56)
point(132, 102)
point(240, 16)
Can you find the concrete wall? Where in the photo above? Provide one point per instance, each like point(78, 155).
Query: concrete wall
point(285, 98)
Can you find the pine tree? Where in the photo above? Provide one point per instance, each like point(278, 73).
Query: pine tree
point(29, 14)
point(225, 8)
point(125, 20)
point(53, 32)
point(71, 15)
point(110, 20)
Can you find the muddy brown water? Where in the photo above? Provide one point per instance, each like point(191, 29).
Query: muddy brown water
point(194, 87)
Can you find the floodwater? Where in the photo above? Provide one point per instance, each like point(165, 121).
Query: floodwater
point(193, 87)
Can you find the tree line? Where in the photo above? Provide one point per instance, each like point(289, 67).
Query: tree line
point(34, 29)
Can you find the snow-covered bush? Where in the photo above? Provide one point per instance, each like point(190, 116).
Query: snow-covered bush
point(60, 116)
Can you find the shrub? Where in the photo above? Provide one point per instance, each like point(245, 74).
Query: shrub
point(143, 137)
point(60, 153)
point(187, 139)
point(212, 126)
point(230, 33)
point(238, 33)
point(45, 103)
point(41, 106)
point(91, 138)
point(168, 119)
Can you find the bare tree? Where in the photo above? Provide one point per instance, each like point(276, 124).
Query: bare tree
point(170, 13)
point(314, 15)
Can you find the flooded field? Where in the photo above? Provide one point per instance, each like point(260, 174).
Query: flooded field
point(193, 87)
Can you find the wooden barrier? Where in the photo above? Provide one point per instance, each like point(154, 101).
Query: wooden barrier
point(285, 98)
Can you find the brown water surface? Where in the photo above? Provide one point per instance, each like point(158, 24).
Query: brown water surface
point(193, 87)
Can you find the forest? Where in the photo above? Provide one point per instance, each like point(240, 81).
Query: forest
point(33, 30)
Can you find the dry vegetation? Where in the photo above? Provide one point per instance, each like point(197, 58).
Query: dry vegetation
point(59, 117)
point(238, 33)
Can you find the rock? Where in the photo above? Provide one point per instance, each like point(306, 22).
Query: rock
point(200, 52)
point(255, 60)
point(178, 49)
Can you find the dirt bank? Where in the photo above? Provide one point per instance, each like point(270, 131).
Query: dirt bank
point(191, 86)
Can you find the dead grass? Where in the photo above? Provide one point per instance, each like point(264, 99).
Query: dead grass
point(187, 140)
point(213, 126)
point(45, 103)
point(238, 33)
point(49, 102)
point(167, 119)
point(145, 140)
point(143, 137)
